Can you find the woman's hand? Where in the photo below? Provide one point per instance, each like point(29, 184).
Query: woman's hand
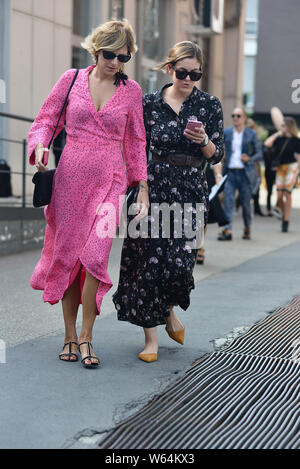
point(218, 178)
point(39, 154)
point(197, 136)
point(142, 203)
point(245, 158)
point(217, 169)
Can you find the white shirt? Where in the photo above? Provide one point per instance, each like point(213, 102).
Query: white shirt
point(235, 160)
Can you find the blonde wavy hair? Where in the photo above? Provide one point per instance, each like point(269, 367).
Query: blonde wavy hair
point(112, 35)
point(182, 50)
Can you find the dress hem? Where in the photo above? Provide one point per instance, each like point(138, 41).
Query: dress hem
point(144, 326)
point(102, 284)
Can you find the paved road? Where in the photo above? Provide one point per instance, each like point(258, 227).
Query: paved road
point(49, 404)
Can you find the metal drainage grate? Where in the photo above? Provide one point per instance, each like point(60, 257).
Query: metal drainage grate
point(245, 397)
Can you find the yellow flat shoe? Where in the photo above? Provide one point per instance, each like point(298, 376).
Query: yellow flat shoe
point(148, 357)
point(178, 336)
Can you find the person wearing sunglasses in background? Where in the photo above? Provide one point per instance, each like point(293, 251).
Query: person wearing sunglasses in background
point(104, 110)
point(160, 269)
point(285, 145)
point(242, 150)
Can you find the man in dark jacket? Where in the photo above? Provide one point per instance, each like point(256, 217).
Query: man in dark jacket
point(242, 150)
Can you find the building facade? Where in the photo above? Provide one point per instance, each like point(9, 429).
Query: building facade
point(250, 54)
point(42, 39)
point(272, 72)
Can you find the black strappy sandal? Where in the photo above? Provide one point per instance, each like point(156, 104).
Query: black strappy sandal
point(89, 356)
point(68, 354)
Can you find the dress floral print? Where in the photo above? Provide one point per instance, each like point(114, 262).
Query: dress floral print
point(90, 175)
point(158, 272)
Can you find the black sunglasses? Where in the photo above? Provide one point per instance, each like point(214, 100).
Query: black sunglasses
point(236, 115)
point(108, 55)
point(194, 75)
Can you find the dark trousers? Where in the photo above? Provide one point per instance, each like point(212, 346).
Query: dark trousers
point(270, 180)
point(237, 180)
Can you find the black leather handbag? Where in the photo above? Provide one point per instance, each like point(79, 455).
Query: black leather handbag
point(43, 181)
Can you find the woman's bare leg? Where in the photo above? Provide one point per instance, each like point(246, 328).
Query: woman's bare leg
point(70, 305)
point(287, 205)
point(279, 202)
point(173, 323)
point(200, 253)
point(151, 344)
point(89, 312)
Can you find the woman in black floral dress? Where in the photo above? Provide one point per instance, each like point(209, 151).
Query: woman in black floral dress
point(157, 272)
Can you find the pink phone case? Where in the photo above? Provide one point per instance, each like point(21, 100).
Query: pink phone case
point(45, 158)
point(192, 125)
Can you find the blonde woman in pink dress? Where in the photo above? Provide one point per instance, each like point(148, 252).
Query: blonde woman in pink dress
point(104, 110)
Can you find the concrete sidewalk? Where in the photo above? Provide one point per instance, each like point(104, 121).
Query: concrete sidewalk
point(21, 317)
point(49, 404)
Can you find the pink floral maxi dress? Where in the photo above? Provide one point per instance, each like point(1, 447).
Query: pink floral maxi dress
point(89, 178)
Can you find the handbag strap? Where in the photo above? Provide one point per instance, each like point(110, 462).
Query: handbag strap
point(62, 110)
point(284, 146)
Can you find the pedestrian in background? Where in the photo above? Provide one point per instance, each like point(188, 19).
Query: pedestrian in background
point(157, 273)
point(270, 174)
point(104, 109)
point(242, 151)
point(216, 212)
point(261, 134)
point(286, 150)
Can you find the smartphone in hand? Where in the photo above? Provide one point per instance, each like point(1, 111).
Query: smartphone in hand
point(193, 125)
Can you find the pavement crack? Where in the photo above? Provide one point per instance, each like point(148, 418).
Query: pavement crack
point(87, 438)
point(161, 384)
point(223, 342)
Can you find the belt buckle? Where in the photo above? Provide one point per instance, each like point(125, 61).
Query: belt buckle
point(189, 160)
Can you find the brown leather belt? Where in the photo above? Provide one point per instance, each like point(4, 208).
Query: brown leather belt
point(178, 159)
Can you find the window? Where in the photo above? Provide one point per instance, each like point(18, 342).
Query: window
point(116, 9)
point(81, 17)
point(252, 17)
point(252, 9)
point(154, 18)
point(251, 27)
point(198, 11)
point(80, 58)
point(4, 74)
point(151, 29)
point(86, 16)
point(250, 54)
point(249, 82)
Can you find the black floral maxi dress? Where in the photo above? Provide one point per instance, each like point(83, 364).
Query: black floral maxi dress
point(158, 272)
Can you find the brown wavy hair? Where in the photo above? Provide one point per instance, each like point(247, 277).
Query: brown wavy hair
point(182, 50)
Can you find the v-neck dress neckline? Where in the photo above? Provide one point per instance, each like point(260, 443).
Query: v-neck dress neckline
point(89, 70)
